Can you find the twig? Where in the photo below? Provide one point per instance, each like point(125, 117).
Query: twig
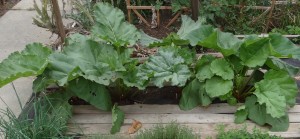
point(270, 16)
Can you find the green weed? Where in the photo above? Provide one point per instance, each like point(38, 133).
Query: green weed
point(243, 134)
point(41, 121)
point(170, 131)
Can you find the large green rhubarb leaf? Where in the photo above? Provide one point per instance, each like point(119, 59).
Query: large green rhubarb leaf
point(89, 59)
point(147, 40)
point(117, 119)
point(269, 93)
point(216, 86)
point(167, 66)
point(96, 94)
point(226, 43)
point(222, 68)
point(286, 84)
point(203, 68)
point(194, 94)
point(111, 26)
point(255, 53)
point(193, 31)
point(278, 64)
point(258, 114)
point(241, 114)
point(283, 47)
point(133, 77)
point(30, 62)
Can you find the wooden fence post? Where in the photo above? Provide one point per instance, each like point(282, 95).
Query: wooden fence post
point(195, 9)
point(58, 20)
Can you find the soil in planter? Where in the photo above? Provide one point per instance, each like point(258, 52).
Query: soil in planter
point(151, 95)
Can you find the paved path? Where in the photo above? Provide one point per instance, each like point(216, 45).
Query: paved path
point(17, 30)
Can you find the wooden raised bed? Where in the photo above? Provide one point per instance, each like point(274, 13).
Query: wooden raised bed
point(90, 121)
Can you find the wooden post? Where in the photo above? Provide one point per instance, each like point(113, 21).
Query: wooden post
point(58, 20)
point(270, 16)
point(195, 9)
point(128, 11)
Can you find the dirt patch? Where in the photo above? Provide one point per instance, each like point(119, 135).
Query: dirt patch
point(161, 31)
point(7, 6)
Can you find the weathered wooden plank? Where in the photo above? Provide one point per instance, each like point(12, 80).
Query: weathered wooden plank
point(167, 109)
point(267, 35)
point(150, 7)
point(204, 130)
point(159, 109)
point(155, 118)
point(165, 118)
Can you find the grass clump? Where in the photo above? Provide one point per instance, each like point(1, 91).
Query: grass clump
point(169, 131)
point(40, 121)
point(244, 134)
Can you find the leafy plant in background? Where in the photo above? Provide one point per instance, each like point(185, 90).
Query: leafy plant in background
point(289, 30)
point(250, 72)
point(240, 17)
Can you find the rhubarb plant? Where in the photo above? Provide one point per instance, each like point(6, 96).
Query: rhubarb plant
point(250, 74)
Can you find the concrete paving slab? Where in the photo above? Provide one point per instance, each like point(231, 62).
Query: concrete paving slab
point(28, 4)
point(16, 31)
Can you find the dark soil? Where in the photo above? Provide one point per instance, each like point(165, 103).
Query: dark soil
point(161, 31)
point(151, 95)
point(7, 6)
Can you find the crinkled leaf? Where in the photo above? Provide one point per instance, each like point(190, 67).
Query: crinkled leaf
point(269, 93)
point(117, 119)
point(226, 43)
point(193, 95)
point(286, 84)
point(189, 55)
point(171, 39)
point(36, 49)
point(77, 39)
point(167, 66)
point(111, 26)
point(255, 53)
point(133, 77)
point(62, 68)
point(42, 81)
point(216, 86)
point(147, 40)
point(31, 61)
point(278, 64)
point(97, 62)
point(241, 114)
point(222, 68)
point(283, 47)
point(193, 31)
point(96, 94)
point(203, 68)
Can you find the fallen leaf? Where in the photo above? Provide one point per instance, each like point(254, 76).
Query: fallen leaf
point(135, 126)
